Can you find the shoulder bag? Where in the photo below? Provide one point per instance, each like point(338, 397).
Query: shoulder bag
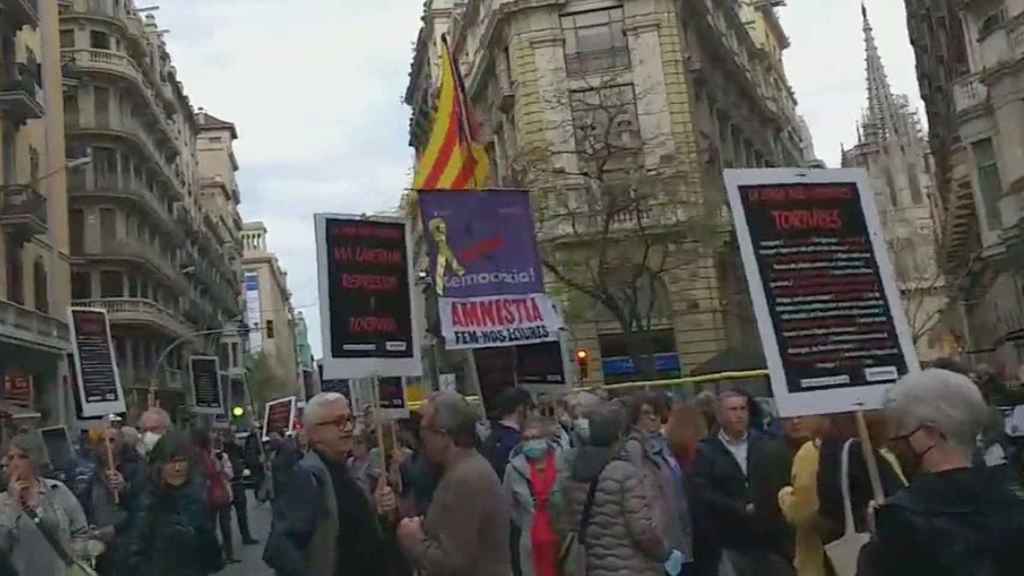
point(843, 553)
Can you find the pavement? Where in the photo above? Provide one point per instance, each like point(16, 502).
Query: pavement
point(251, 556)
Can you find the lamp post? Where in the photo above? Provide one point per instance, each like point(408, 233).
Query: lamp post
point(153, 381)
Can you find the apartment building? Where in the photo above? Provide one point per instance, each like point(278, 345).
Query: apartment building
point(893, 149)
point(268, 310)
point(969, 57)
point(33, 219)
point(142, 245)
point(679, 90)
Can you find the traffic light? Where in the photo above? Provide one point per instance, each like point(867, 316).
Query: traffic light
point(583, 363)
point(238, 411)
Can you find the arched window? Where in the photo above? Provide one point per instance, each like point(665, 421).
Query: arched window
point(39, 280)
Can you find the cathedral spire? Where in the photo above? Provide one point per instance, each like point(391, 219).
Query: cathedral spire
point(880, 121)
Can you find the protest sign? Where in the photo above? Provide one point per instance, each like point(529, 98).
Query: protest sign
point(58, 447)
point(827, 305)
point(279, 416)
point(204, 372)
point(96, 375)
point(369, 328)
point(486, 269)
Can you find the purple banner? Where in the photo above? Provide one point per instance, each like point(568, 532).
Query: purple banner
point(481, 243)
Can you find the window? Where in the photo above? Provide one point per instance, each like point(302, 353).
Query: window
point(99, 40)
point(105, 165)
point(111, 284)
point(8, 148)
point(916, 195)
point(81, 286)
point(108, 228)
point(991, 22)
point(71, 111)
point(76, 224)
point(270, 329)
point(67, 38)
point(101, 106)
point(890, 183)
point(39, 280)
point(594, 42)
point(605, 121)
point(15, 281)
point(990, 186)
point(133, 286)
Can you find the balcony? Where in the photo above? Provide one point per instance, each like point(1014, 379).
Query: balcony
point(139, 198)
point(31, 327)
point(95, 61)
point(135, 251)
point(969, 93)
point(18, 96)
point(21, 12)
point(22, 211)
point(140, 312)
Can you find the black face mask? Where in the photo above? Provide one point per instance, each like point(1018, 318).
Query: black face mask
point(910, 460)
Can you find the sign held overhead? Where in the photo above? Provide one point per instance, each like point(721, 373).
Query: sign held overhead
point(96, 375)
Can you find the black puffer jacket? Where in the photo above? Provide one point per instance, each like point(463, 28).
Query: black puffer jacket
point(956, 523)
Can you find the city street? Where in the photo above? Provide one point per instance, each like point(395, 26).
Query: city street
point(252, 556)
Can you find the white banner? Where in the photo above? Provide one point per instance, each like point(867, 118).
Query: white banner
point(489, 321)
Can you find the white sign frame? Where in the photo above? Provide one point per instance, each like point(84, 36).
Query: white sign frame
point(291, 415)
point(96, 409)
point(826, 401)
point(192, 384)
point(354, 368)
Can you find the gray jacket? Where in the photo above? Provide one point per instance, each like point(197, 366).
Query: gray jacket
point(22, 541)
point(665, 484)
point(622, 533)
point(518, 489)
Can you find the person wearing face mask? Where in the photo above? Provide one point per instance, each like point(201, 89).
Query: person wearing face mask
point(154, 423)
point(529, 481)
point(174, 535)
point(953, 519)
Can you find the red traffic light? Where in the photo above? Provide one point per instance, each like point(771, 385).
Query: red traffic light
point(583, 367)
point(581, 354)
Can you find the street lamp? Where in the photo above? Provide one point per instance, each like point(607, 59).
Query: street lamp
point(167, 350)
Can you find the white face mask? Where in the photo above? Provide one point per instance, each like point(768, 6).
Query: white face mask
point(582, 428)
point(149, 440)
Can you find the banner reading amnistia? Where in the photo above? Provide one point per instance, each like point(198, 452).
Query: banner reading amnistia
point(486, 269)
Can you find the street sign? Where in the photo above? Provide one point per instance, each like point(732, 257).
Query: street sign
point(204, 372)
point(97, 378)
point(366, 301)
point(828, 308)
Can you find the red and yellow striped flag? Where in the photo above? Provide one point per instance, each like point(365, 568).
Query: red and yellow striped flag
point(452, 159)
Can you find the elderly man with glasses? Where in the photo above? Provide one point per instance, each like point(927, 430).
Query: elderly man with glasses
point(953, 519)
point(326, 524)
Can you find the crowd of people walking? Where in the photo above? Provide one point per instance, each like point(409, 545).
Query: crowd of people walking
point(583, 485)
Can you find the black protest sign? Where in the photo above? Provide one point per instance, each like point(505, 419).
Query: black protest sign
point(206, 391)
point(97, 378)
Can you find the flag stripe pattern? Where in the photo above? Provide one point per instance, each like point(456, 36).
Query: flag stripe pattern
point(451, 160)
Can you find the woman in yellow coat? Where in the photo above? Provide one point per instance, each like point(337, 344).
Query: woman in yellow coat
point(799, 502)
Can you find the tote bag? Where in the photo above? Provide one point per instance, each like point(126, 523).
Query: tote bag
point(843, 553)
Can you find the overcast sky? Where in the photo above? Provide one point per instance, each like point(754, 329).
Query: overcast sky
point(315, 88)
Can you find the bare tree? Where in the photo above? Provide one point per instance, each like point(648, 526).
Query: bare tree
point(617, 214)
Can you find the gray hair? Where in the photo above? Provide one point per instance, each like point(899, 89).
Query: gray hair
point(315, 406)
point(130, 436)
point(454, 415)
point(31, 443)
point(944, 400)
point(158, 413)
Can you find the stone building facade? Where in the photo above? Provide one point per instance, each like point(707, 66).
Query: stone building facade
point(268, 308)
point(143, 246)
point(969, 62)
point(34, 291)
point(679, 89)
point(893, 150)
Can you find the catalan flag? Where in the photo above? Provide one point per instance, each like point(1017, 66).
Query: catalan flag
point(452, 160)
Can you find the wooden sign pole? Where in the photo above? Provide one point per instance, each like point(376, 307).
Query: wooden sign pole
point(110, 459)
point(869, 458)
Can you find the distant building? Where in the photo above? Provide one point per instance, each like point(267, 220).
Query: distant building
point(304, 354)
point(969, 67)
point(268, 307)
point(894, 151)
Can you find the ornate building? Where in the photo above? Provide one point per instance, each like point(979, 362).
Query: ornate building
point(142, 245)
point(969, 56)
point(625, 112)
point(892, 149)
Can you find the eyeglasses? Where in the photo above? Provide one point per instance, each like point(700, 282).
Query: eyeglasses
point(906, 436)
point(343, 422)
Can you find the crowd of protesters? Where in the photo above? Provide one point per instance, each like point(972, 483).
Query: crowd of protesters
point(583, 485)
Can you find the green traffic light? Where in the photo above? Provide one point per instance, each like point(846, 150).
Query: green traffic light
point(238, 411)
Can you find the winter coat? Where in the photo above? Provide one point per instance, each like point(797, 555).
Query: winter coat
point(29, 551)
point(622, 535)
point(102, 511)
point(174, 535)
point(519, 492)
point(499, 445)
point(956, 523)
point(666, 486)
point(467, 527)
point(800, 506)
